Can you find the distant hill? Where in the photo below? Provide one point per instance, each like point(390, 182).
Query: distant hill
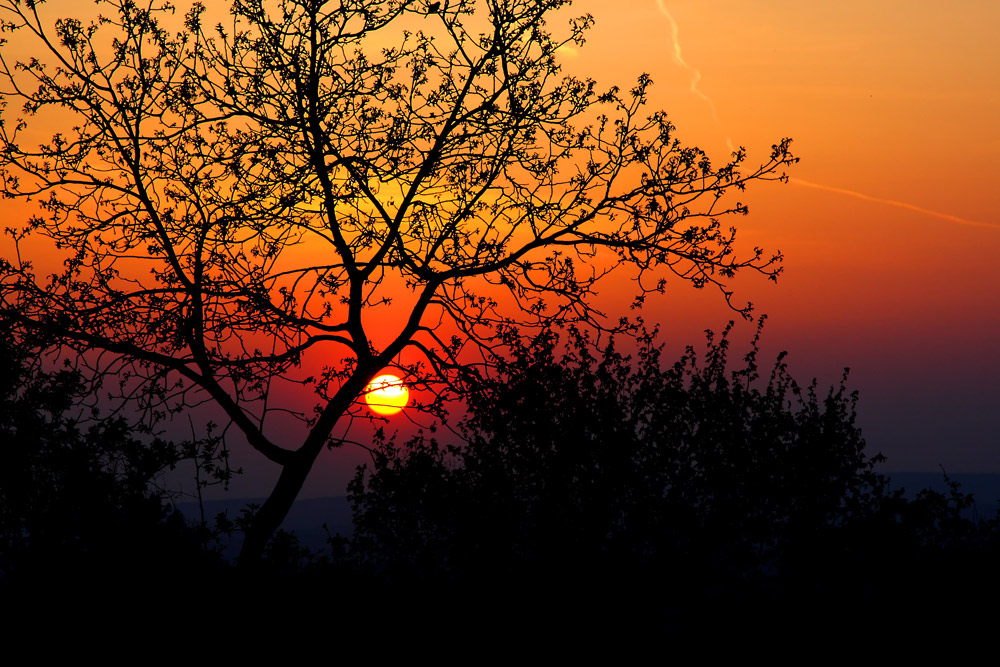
point(307, 516)
point(305, 519)
point(984, 486)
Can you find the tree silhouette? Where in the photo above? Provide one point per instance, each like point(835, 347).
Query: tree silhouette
point(76, 501)
point(379, 183)
point(609, 463)
point(700, 484)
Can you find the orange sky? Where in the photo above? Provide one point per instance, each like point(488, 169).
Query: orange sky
point(891, 228)
point(891, 225)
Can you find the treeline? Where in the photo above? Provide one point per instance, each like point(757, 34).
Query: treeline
point(587, 480)
point(79, 505)
point(701, 491)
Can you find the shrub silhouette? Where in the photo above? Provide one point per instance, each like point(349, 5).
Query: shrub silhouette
point(76, 502)
point(286, 183)
point(692, 480)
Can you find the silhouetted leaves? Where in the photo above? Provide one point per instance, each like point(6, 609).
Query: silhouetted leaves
point(685, 483)
point(76, 496)
point(242, 207)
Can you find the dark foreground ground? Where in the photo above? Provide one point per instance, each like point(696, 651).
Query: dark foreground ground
point(859, 594)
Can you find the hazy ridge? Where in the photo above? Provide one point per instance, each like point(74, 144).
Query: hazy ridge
point(308, 516)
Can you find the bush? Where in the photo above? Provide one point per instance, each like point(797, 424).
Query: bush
point(77, 504)
point(688, 482)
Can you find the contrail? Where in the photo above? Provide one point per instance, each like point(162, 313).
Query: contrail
point(897, 204)
point(696, 78)
point(695, 74)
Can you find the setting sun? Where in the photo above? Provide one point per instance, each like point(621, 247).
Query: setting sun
point(386, 395)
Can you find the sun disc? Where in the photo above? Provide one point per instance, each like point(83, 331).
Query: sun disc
point(386, 395)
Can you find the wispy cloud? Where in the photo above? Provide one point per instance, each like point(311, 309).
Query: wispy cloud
point(893, 202)
point(696, 79)
point(695, 74)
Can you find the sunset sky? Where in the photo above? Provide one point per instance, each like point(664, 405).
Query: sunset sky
point(890, 224)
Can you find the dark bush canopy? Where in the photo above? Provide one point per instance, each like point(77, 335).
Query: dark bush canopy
point(701, 477)
point(78, 499)
point(604, 456)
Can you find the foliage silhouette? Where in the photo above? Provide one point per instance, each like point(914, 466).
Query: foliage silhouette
point(690, 483)
point(384, 183)
point(78, 501)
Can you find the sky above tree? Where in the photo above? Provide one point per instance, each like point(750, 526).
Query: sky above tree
point(890, 225)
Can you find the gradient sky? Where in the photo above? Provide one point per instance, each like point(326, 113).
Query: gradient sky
point(890, 226)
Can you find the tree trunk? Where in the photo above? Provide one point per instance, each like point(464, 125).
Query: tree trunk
point(293, 474)
point(274, 510)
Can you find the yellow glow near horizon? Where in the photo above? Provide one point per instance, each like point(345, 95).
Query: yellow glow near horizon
point(386, 395)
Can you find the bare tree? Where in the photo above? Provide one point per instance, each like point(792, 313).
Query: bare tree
point(389, 182)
